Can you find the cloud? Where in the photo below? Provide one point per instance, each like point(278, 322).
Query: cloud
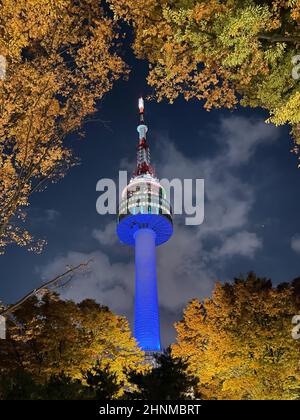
point(107, 235)
point(188, 264)
point(109, 283)
point(51, 215)
point(242, 136)
point(295, 243)
point(241, 243)
point(40, 216)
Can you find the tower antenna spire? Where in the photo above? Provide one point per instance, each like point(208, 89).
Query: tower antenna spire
point(143, 151)
point(141, 109)
point(142, 128)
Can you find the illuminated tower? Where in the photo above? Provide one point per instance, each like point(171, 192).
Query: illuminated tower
point(145, 222)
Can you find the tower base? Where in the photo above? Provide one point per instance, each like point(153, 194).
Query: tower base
point(150, 358)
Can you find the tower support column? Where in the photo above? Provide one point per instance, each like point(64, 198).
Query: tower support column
point(146, 313)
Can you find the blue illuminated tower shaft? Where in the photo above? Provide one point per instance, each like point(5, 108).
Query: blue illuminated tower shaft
point(146, 313)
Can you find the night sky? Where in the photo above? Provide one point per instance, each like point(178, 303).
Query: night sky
point(252, 205)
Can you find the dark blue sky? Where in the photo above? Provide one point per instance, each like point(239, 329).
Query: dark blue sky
point(251, 212)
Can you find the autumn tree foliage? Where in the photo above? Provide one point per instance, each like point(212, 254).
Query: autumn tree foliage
point(62, 56)
point(60, 59)
point(239, 344)
point(98, 384)
point(225, 52)
point(47, 336)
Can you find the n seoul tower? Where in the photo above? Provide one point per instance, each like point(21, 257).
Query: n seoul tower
point(145, 222)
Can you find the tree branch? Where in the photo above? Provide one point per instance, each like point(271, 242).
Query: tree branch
point(43, 286)
point(279, 38)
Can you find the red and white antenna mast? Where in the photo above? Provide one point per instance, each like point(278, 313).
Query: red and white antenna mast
point(143, 152)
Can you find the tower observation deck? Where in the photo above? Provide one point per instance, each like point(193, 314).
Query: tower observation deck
point(145, 222)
